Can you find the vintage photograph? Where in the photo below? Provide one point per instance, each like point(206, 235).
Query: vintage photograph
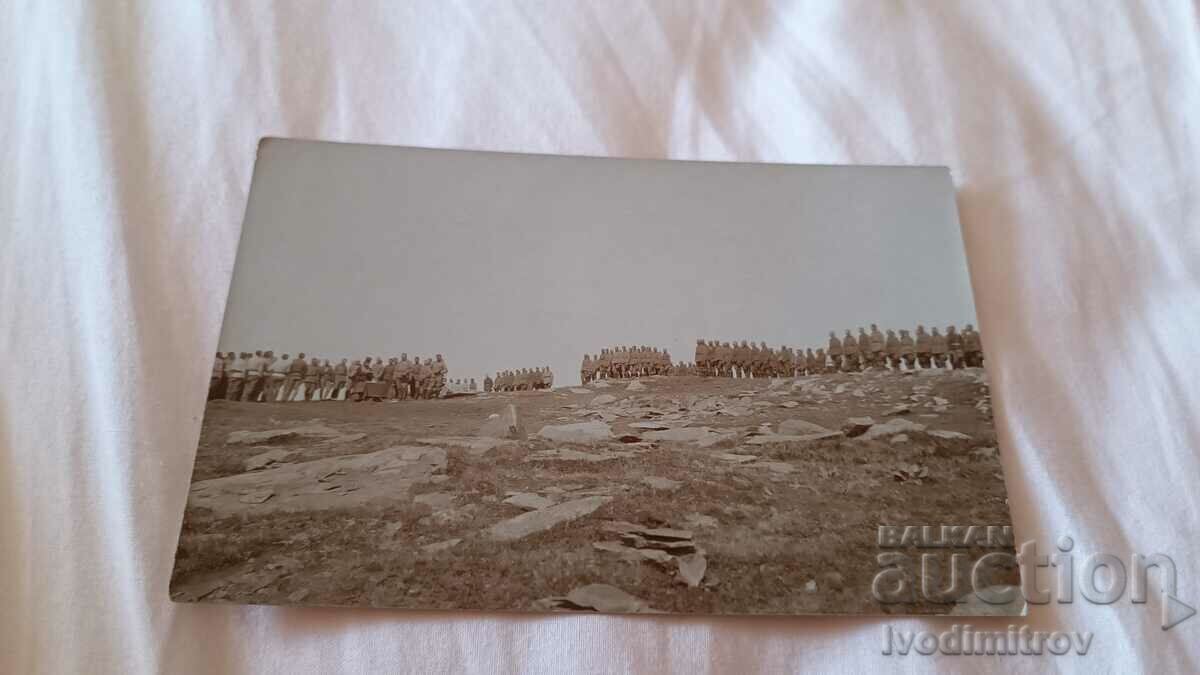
point(489, 381)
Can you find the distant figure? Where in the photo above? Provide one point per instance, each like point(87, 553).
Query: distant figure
point(972, 347)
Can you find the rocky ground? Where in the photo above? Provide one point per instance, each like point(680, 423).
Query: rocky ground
point(664, 494)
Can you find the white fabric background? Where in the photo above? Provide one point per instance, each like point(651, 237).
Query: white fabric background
point(127, 134)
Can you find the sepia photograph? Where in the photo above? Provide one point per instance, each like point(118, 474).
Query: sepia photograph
point(463, 380)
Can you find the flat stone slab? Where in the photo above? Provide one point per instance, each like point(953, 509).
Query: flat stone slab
point(949, 435)
point(543, 519)
point(310, 431)
point(528, 501)
point(569, 455)
point(768, 439)
point(441, 546)
point(661, 483)
point(699, 436)
point(607, 599)
point(897, 425)
point(474, 445)
point(734, 457)
point(580, 390)
point(266, 459)
point(580, 432)
point(603, 399)
point(341, 481)
point(650, 426)
point(799, 427)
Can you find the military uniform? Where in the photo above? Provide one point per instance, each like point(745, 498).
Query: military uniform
point(235, 374)
point(878, 345)
point(972, 347)
point(892, 345)
point(924, 348)
point(937, 343)
point(908, 350)
point(835, 352)
point(954, 347)
point(850, 352)
point(217, 378)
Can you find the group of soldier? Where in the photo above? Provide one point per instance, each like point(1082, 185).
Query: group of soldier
point(523, 379)
point(875, 349)
point(261, 376)
point(622, 362)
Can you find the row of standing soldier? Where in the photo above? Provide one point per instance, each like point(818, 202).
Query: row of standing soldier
point(261, 377)
point(847, 354)
point(522, 379)
point(622, 362)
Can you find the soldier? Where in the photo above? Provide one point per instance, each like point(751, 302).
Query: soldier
point(954, 347)
point(892, 344)
point(762, 359)
point(295, 375)
point(937, 343)
point(326, 380)
point(439, 374)
point(703, 358)
point(217, 378)
point(820, 365)
point(471, 386)
point(584, 369)
point(388, 375)
point(835, 352)
point(548, 376)
point(487, 383)
point(253, 376)
point(850, 352)
point(341, 378)
point(312, 380)
point(878, 359)
point(236, 374)
point(972, 347)
point(276, 376)
point(864, 348)
point(924, 347)
point(908, 352)
point(404, 377)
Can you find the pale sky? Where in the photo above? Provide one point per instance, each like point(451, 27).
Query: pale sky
point(503, 261)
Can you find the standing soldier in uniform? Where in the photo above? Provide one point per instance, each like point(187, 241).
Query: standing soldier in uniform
point(908, 352)
point(295, 375)
point(972, 347)
point(341, 378)
point(549, 377)
point(236, 374)
point(312, 380)
point(864, 348)
point(585, 369)
point(937, 343)
point(487, 383)
point(835, 352)
point(404, 379)
point(218, 375)
point(702, 356)
point(818, 366)
point(954, 347)
point(878, 359)
point(850, 351)
point(924, 347)
point(892, 345)
point(326, 380)
point(252, 377)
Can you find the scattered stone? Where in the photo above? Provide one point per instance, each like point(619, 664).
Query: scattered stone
point(636, 386)
point(910, 472)
point(298, 596)
point(267, 459)
point(661, 483)
point(581, 432)
point(700, 521)
point(630, 438)
point(800, 427)
point(892, 427)
point(528, 501)
point(607, 599)
point(833, 580)
point(580, 390)
point(899, 439)
point(788, 404)
point(810, 586)
point(674, 547)
point(938, 400)
point(543, 519)
point(986, 453)
point(503, 425)
point(441, 546)
point(665, 533)
point(313, 431)
point(345, 439)
point(599, 384)
point(900, 409)
point(603, 399)
point(856, 426)
point(692, 568)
